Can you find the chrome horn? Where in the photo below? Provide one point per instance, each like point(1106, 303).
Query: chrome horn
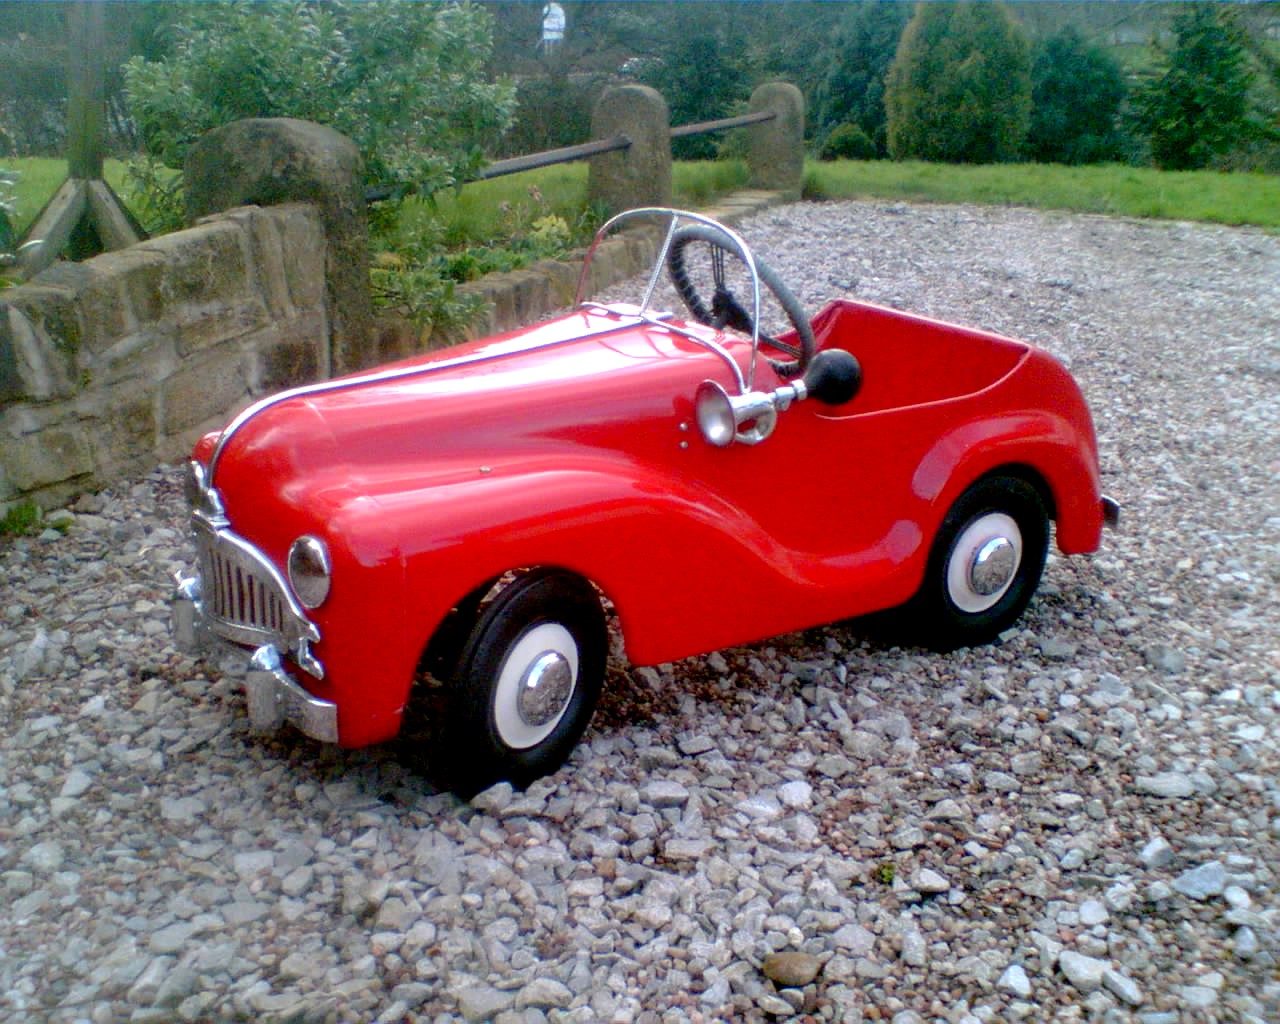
point(833, 378)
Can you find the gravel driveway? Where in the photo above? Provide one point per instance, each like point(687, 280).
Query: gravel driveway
point(1081, 822)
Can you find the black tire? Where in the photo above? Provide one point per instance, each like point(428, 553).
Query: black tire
point(544, 621)
point(984, 566)
point(678, 270)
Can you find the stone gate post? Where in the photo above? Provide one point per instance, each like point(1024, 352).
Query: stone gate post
point(266, 161)
point(775, 148)
point(639, 175)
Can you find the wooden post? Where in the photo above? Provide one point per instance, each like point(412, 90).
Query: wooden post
point(86, 88)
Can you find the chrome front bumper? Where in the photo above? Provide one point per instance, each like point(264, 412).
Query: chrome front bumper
point(274, 696)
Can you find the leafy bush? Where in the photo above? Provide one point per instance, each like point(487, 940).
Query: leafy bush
point(1077, 91)
point(155, 195)
point(847, 142)
point(550, 113)
point(417, 273)
point(701, 74)
point(959, 90)
point(405, 82)
point(1196, 110)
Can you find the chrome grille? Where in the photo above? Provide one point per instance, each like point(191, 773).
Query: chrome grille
point(244, 596)
point(240, 595)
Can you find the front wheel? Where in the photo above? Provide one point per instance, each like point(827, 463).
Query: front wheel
point(984, 566)
point(527, 681)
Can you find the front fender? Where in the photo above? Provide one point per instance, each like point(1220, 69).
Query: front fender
point(685, 571)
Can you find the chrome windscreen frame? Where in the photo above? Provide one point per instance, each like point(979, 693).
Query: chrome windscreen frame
point(745, 382)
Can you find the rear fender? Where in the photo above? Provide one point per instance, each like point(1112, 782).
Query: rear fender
point(1048, 448)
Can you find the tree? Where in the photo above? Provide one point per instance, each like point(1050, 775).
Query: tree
point(853, 91)
point(1197, 108)
point(959, 89)
point(405, 82)
point(701, 71)
point(1076, 91)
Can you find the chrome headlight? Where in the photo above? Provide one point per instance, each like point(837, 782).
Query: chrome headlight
point(310, 570)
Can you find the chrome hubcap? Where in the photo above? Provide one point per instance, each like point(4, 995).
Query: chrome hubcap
point(992, 567)
point(984, 562)
point(545, 689)
point(535, 685)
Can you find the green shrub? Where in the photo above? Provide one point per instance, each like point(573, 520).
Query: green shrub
point(847, 142)
point(1077, 91)
point(858, 60)
point(959, 90)
point(20, 520)
point(155, 195)
point(406, 82)
point(1197, 109)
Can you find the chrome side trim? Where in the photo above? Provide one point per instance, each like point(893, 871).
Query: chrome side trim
point(626, 320)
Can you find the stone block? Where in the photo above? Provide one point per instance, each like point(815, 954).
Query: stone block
point(562, 281)
point(149, 355)
point(202, 388)
point(291, 357)
point(31, 364)
point(48, 457)
point(272, 161)
point(94, 288)
point(124, 432)
point(286, 253)
point(55, 312)
point(207, 287)
point(134, 278)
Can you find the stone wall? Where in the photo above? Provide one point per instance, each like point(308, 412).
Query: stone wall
point(112, 365)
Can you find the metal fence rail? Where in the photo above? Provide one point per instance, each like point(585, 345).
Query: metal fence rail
point(568, 154)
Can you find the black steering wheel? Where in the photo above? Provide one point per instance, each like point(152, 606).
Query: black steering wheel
point(725, 310)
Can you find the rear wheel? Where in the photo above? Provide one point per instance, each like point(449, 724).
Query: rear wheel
point(526, 682)
point(984, 566)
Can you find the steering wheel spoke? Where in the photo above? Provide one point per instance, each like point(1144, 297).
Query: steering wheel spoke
point(725, 310)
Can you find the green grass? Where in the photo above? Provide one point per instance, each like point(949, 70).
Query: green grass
point(39, 178)
point(485, 210)
point(1221, 198)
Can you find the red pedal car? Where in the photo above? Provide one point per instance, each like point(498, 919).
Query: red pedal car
point(710, 482)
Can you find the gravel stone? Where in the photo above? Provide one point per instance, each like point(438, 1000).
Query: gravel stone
point(1122, 987)
point(1202, 883)
point(146, 837)
point(1015, 980)
point(1084, 972)
point(792, 970)
point(1156, 854)
point(926, 880)
point(1167, 784)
